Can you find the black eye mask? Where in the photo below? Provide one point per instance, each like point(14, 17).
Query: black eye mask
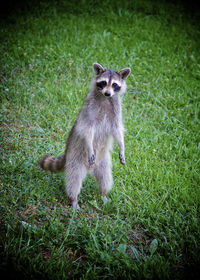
point(116, 87)
point(101, 84)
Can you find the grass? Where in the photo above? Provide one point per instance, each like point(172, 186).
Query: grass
point(150, 228)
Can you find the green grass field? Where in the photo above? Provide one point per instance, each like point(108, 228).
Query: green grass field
point(150, 227)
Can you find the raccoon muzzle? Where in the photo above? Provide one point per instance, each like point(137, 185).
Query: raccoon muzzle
point(54, 164)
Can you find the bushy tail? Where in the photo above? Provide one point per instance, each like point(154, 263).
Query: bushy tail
point(54, 164)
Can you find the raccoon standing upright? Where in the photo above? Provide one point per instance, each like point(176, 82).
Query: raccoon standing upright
point(90, 141)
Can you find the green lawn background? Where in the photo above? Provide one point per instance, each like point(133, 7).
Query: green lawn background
point(150, 227)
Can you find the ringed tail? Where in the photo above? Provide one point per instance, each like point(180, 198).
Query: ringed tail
point(54, 164)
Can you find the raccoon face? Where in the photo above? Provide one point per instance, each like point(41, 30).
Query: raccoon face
point(109, 82)
point(106, 88)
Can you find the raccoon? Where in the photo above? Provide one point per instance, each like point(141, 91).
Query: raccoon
point(89, 145)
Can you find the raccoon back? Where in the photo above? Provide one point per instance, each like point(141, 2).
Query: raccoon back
point(54, 164)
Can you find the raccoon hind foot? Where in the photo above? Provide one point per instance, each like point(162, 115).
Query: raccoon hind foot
point(75, 205)
point(104, 198)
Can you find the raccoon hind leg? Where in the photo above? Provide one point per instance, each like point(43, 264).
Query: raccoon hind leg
point(103, 175)
point(74, 177)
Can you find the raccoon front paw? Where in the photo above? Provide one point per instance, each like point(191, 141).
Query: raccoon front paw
point(91, 159)
point(122, 159)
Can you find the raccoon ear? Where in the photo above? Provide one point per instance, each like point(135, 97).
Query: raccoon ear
point(98, 69)
point(124, 73)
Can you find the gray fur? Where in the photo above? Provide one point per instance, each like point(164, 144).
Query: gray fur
point(90, 141)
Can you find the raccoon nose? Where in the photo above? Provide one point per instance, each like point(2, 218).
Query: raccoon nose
point(107, 93)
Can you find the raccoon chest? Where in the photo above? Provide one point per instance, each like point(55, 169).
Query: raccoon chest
point(102, 137)
point(103, 127)
point(105, 118)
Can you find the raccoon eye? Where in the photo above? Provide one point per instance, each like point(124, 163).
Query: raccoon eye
point(101, 84)
point(116, 87)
